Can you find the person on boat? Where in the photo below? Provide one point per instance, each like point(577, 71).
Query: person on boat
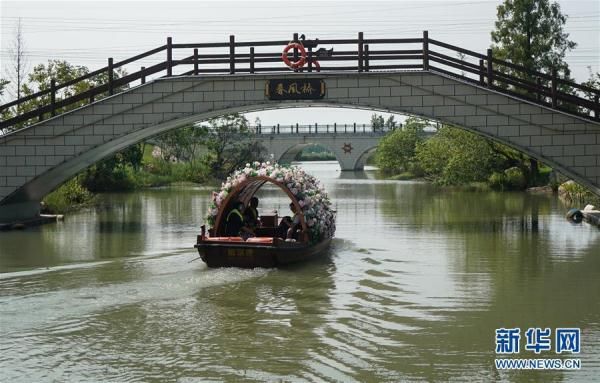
point(290, 226)
point(234, 223)
point(251, 217)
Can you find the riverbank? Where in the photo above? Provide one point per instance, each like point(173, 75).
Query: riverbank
point(37, 221)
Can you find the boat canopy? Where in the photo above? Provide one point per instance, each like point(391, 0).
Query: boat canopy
point(244, 191)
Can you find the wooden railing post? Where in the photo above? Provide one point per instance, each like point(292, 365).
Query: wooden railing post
point(195, 61)
point(425, 50)
point(231, 54)
point(335, 127)
point(143, 79)
point(316, 128)
point(310, 55)
point(92, 95)
point(360, 51)
point(277, 128)
point(490, 69)
point(481, 73)
point(169, 57)
point(366, 53)
point(111, 89)
point(53, 97)
point(354, 127)
point(539, 90)
point(554, 100)
point(597, 107)
point(251, 59)
point(295, 39)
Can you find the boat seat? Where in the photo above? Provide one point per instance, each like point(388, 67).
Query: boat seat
point(225, 239)
point(260, 240)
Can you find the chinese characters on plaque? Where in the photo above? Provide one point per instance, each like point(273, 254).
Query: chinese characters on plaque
point(302, 89)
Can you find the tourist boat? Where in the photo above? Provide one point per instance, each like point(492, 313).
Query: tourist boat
point(267, 249)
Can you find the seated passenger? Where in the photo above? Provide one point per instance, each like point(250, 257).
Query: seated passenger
point(292, 232)
point(251, 216)
point(234, 223)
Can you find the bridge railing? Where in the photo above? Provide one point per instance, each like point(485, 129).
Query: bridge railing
point(355, 55)
point(316, 128)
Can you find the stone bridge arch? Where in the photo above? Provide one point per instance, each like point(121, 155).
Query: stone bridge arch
point(349, 150)
point(35, 160)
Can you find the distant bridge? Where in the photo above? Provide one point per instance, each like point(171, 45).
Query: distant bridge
point(352, 144)
point(415, 76)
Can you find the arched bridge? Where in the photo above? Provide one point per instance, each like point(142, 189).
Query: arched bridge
point(525, 110)
point(352, 144)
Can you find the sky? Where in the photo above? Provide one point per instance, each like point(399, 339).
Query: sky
point(88, 32)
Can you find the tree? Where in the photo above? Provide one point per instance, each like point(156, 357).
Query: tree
point(377, 122)
point(6, 113)
point(455, 157)
point(19, 65)
point(531, 33)
point(111, 173)
point(230, 144)
point(396, 151)
point(592, 82)
point(61, 71)
point(182, 144)
point(390, 123)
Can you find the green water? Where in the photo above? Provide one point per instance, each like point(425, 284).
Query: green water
point(412, 289)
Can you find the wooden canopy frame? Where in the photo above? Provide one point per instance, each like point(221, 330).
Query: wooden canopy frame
point(244, 191)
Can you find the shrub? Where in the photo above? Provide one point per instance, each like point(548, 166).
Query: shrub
point(68, 196)
point(515, 179)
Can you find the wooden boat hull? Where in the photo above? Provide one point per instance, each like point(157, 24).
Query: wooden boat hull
point(251, 255)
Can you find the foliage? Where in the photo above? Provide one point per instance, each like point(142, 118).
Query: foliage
point(113, 173)
point(572, 192)
point(3, 84)
point(396, 151)
point(315, 153)
point(182, 144)
point(159, 172)
point(531, 33)
point(230, 144)
point(511, 179)
point(5, 114)
point(592, 82)
point(311, 196)
point(390, 123)
point(456, 157)
point(377, 121)
point(61, 71)
point(68, 196)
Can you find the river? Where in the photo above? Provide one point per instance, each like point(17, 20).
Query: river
point(413, 288)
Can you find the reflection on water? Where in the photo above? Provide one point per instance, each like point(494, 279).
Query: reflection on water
point(412, 288)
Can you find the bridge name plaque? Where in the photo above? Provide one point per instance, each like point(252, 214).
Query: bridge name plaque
point(301, 89)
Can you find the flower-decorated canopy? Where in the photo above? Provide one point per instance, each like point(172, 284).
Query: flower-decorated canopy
point(305, 191)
